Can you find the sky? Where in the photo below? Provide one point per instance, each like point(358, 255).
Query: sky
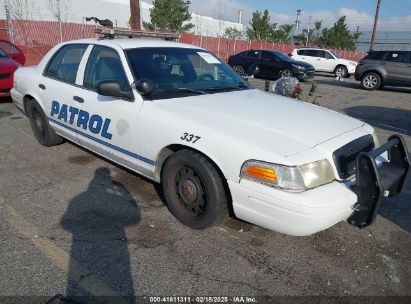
point(395, 15)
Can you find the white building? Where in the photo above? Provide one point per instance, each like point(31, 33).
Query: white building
point(117, 11)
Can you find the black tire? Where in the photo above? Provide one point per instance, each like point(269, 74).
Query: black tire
point(341, 71)
point(371, 81)
point(239, 69)
point(42, 130)
point(194, 190)
point(286, 73)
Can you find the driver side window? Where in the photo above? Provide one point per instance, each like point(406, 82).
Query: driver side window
point(104, 64)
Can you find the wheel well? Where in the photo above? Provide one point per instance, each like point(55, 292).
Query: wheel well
point(340, 65)
point(373, 71)
point(166, 152)
point(26, 101)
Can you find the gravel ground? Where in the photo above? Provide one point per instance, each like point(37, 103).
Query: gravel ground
point(74, 224)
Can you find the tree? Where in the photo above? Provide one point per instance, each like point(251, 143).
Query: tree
point(260, 29)
point(282, 34)
point(338, 36)
point(317, 26)
point(60, 9)
point(170, 15)
point(233, 33)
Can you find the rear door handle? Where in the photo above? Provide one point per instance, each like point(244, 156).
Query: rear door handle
point(42, 86)
point(78, 99)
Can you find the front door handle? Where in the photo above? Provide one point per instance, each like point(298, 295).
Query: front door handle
point(78, 99)
point(42, 86)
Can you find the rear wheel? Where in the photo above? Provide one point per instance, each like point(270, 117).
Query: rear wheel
point(239, 69)
point(42, 130)
point(371, 81)
point(194, 190)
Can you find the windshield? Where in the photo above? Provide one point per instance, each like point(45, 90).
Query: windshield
point(282, 56)
point(180, 71)
point(335, 55)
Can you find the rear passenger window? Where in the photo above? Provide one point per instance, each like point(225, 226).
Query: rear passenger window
point(312, 53)
point(252, 54)
point(104, 64)
point(301, 52)
point(396, 57)
point(65, 63)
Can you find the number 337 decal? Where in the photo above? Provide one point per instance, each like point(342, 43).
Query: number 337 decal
point(190, 137)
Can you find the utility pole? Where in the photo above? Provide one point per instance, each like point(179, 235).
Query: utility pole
point(297, 24)
point(135, 19)
point(308, 32)
point(374, 31)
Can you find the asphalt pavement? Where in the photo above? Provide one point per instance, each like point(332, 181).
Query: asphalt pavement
point(74, 224)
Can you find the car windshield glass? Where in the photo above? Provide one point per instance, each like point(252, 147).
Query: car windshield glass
point(2, 53)
point(282, 56)
point(335, 55)
point(177, 72)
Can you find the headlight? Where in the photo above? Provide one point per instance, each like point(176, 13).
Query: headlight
point(352, 63)
point(298, 67)
point(297, 178)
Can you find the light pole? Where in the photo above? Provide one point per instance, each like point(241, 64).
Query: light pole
point(297, 24)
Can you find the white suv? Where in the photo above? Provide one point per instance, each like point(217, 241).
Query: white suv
point(325, 61)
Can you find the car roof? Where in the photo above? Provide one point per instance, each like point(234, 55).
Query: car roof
point(315, 49)
point(131, 43)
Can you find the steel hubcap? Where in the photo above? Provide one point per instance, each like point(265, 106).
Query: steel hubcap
point(340, 72)
point(190, 191)
point(38, 122)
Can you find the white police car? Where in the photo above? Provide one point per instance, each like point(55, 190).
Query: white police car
point(178, 115)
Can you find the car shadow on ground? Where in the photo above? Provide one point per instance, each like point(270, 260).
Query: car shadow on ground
point(99, 254)
point(391, 119)
point(396, 209)
point(357, 85)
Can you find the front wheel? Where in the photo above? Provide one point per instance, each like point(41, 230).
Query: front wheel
point(194, 190)
point(341, 71)
point(371, 81)
point(286, 73)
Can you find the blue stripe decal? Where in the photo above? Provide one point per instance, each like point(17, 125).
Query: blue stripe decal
point(139, 157)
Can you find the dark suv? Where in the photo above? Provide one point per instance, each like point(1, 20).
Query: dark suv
point(270, 65)
point(381, 68)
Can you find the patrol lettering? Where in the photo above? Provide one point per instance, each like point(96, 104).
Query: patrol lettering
point(94, 123)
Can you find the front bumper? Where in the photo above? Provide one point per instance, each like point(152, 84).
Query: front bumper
point(308, 212)
point(351, 69)
point(305, 75)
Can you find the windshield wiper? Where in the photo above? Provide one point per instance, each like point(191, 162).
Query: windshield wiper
point(187, 90)
point(241, 86)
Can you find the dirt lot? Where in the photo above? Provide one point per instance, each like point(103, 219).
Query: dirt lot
point(73, 224)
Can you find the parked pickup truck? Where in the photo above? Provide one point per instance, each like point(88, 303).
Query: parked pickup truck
point(180, 116)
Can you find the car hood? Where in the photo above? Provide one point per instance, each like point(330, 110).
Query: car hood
point(263, 120)
point(7, 65)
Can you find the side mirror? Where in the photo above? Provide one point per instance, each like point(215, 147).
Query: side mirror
point(113, 88)
point(144, 86)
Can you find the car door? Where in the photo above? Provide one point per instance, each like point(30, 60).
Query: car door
point(398, 67)
point(323, 62)
point(270, 65)
point(329, 62)
point(251, 58)
point(57, 85)
point(310, 56)
point(105, 124)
